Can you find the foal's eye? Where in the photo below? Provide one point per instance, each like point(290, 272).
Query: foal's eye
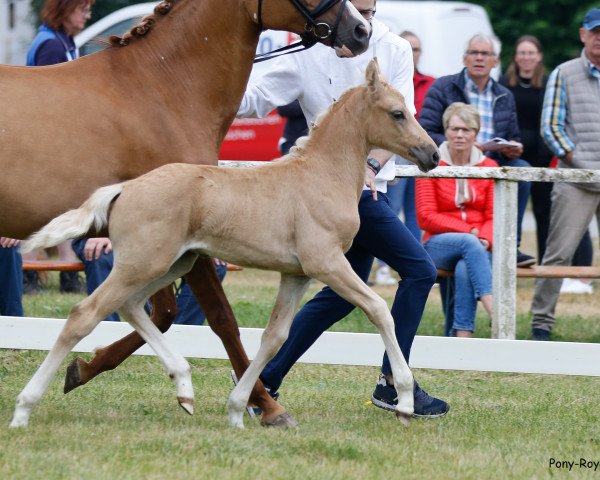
point(398, 115)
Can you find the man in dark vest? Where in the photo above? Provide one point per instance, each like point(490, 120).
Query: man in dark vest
point(571, 128)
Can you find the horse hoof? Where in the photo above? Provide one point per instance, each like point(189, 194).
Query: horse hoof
point(403, 418)
point(187, 404)
point(73, 376)
point(283, 420)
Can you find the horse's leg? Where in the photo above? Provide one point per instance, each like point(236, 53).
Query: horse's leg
point(347, 284)
point(207, 288)
point(291, 289)
point(81, 321)
point(177, 367)
point(79, 371)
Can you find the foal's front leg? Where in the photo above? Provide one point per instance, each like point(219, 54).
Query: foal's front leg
point(347, 284)
point(291, 289)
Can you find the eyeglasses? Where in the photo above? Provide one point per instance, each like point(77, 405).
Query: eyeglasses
point(85, 10)
point(367, 14)
point(416, 49)
point(475, 53)
point(463, 130)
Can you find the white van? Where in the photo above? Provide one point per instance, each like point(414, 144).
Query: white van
point(443, 28)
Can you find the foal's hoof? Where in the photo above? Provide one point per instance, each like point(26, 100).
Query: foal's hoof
point(187, 404)
point(283, 420)
point(73, 376)
point(403, 418)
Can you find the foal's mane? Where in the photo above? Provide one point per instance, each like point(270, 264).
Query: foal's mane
point(144, 26)
point(302, 142)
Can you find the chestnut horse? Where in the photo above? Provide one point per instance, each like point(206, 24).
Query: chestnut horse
point(166, 92)
point(266, 217)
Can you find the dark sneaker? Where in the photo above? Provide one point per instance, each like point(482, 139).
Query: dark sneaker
point(70, 282)
point(524, 260)
point(426, 406)
point(540, 335)
point(253, 410)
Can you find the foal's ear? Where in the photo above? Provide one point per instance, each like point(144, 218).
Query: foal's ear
point(373, 77)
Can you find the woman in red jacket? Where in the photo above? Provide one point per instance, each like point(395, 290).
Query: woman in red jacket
point(456, 216)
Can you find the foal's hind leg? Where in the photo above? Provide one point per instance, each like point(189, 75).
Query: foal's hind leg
point(79, 371)
point(207, 288)
point(291, 289)
point(347, 284)
point(81, 321)
point(177, 367)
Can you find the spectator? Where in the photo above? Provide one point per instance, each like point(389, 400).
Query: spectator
point(316, 77)
point(457, 218)
point(401, 191)
point(497, 111)
point(54, 43)
point(571, 128)
point(97, 257)
point(295, 125)
point(11, 278)
point(525, 77)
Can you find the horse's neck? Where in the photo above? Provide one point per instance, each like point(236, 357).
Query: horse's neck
point(200, 57)
point(338, 145)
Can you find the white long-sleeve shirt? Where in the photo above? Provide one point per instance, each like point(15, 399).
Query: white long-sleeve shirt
point(317, 77)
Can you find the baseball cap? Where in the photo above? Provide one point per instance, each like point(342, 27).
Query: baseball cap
point(591, 19)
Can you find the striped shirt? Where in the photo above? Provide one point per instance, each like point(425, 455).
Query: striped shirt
point(554, 112)
point(484, 103)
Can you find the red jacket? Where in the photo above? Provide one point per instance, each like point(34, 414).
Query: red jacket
point(437, 211)
point(421, 83)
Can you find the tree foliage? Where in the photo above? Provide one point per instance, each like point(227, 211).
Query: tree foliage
point(555, 22)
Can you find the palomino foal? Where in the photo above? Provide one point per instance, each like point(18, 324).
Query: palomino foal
point(297, 216)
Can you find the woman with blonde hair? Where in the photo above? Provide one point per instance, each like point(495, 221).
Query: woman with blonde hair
point(456, 216)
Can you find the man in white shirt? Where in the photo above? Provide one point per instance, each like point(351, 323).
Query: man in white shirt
point(317, 77)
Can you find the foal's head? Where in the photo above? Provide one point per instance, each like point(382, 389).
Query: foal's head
point(392, 126)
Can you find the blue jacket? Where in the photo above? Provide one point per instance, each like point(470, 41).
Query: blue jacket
point(451, 88)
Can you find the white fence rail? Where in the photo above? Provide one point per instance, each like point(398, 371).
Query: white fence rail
point(478, 354)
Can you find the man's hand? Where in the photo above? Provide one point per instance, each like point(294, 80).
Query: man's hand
point(370, 181)
point(568, 158)
point(8, 242)
point(94, 246)
point(513, 151)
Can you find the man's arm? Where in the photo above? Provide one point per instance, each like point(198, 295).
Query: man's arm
point(270, 88)
point(554, 114)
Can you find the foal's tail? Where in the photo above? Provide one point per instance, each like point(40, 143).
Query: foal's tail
point(75, 223)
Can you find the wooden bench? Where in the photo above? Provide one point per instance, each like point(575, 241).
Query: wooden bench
point(547, 271)
point(62, 266)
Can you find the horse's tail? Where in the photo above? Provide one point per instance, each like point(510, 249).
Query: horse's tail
point(76, 223)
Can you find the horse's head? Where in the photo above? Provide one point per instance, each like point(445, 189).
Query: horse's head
point(392, 126)
point(336, 23)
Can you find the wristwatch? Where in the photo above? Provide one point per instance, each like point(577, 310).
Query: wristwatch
point(374, 164)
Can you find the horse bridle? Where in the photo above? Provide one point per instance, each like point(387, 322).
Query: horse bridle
point(313, 30)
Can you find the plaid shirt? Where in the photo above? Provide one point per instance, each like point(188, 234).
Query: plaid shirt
point(554, 112)
point(484, 103)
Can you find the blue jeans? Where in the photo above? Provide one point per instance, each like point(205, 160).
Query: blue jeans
point(471, 262)
point(11, 282)
point(382, 235)
point(524, 188)
point(96, 271)
point(401, 194)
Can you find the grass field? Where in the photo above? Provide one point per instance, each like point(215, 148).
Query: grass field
point(126, 423)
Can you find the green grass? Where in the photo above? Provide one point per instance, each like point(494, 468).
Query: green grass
point(126, 424)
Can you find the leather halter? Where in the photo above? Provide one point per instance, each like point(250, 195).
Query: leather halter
point(313, 31)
